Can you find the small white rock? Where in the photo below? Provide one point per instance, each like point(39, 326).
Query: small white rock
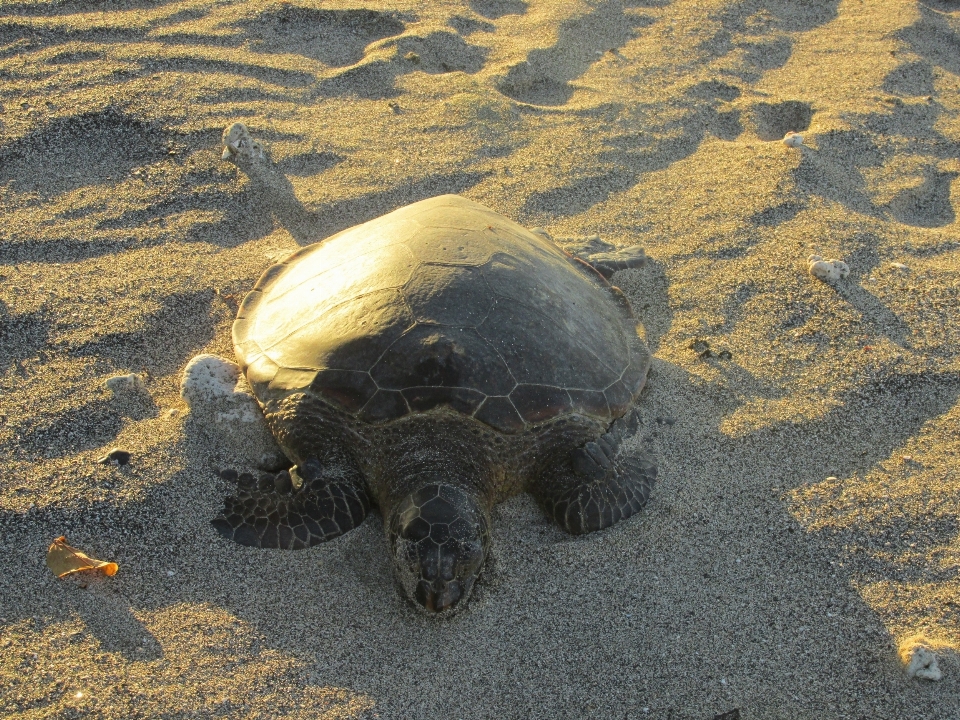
point(123, 383)
point(920, 660)
point(899, 266)
point(793, 139)
point(827, 270)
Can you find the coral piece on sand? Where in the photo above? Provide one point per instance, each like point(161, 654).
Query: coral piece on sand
point(920, 659)
point(65, 560)
point(209, 387)
point(207, 378)
point(792, 140)
point(827, 270)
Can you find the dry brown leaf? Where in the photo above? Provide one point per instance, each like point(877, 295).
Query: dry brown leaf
point(65, 560)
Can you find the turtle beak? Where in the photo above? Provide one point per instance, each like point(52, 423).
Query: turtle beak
point(439, 595)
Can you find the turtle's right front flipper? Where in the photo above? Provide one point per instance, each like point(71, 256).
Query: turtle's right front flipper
point(312, 509)
point(597, 485)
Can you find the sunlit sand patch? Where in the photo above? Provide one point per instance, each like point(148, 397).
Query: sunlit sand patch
point(189, 659)
point(896, 531)
point(758, 413)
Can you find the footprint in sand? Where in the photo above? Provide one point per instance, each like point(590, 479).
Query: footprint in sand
point(774, 120)
point(336, 38)
point(544, 77)
point(109, 144)
point(927, 204)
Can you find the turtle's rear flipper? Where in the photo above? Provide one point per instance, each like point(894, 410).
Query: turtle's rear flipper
point(603, 257)
point(597, 485)
point(297, 514)
point(607, 263)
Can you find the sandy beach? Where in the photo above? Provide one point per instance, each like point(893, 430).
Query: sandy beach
point(803, 534)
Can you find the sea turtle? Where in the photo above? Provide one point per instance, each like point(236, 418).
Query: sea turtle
point(433, 362)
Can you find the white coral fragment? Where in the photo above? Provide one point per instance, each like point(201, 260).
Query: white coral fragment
point(238, 142)
point(793, 139)
point(208, 377)
point(827, 270)
point(920, 660)
point(222, 407)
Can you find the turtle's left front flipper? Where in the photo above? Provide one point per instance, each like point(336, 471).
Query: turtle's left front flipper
point(312, 508)
point(597, 485)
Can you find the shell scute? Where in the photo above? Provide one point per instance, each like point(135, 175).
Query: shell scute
point(444, 295)
point(539, 350)
point(464, 400)
point(453, 246)
point(619, 398)
point(350, 335)
point(500, 413)
point(537, 403)
point(635, 375)
point(589, 402)
point(384, 405)
point(349, 389)
point(292, 379)
point(429, 355)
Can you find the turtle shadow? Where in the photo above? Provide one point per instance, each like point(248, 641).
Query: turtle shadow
point(668, 578)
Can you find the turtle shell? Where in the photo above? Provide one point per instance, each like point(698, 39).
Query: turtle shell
point(442, 303)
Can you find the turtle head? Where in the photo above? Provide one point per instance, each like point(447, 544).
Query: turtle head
point(439, 537)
